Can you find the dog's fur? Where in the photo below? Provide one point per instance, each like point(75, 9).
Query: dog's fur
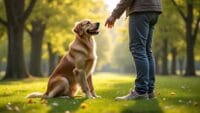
point(75, 68)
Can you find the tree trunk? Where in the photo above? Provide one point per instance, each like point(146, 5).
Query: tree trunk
point(190, 63)
point(157, 64)
point(173, 64)
point(164, 58)
point(37, 34)
point(52, 58)
point(0, 66)
point(181, 65)
point(191, 34)
point(15, 59)
point(16, 16)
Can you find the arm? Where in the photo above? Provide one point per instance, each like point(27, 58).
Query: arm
point(117, 12)
point(121, 7)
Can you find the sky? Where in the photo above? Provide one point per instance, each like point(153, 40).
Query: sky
point(111, 4)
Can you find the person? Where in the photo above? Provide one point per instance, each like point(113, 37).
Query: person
point(143, 15)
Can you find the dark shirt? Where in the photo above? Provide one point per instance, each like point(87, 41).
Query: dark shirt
point(132, 6)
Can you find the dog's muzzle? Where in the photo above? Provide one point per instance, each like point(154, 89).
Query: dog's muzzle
point(95, 30)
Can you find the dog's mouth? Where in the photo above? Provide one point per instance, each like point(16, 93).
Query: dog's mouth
point(95, 30)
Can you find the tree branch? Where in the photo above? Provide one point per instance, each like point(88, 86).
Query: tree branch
point(28, 30)
point(196, 29)
point(28, 11)
point(3, 22)
point(179, 10)
point(10, 11)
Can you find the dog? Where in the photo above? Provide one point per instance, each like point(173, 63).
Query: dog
point(76, 68)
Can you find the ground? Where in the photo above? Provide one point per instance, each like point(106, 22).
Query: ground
point(175, 94)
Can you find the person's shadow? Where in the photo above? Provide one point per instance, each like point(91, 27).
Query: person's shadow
point(143, 106)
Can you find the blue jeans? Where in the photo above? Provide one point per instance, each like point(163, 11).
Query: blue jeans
point(141, 26)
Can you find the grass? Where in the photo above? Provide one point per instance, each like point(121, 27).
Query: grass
point(174, 95)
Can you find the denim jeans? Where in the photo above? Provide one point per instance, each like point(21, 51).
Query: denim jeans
point(141, 26)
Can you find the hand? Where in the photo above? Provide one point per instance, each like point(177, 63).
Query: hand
point(110, 22)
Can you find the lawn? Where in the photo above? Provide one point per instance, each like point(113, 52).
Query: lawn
point(174, 95)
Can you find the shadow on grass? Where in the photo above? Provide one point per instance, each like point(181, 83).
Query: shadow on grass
point(131, 106)
point(18, 107)
point(59, 105)
point(143, 106)
point(25, 80)
point(137, 106)
point(54, 105)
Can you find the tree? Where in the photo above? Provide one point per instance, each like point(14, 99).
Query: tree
point(52, 57)
point(191, 20)
point(165, 56)
point(168, 38)
point(37, 35)
point(51, 22)
point(16, 15)
point(36, 26)
point(3, 48)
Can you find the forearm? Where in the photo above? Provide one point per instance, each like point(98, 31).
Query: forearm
point(121, 7)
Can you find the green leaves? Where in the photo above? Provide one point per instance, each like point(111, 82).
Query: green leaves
point(60, 16)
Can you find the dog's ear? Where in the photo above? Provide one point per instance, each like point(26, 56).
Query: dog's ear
point(78, 29)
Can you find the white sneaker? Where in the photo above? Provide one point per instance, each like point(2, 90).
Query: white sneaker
point(133, 95)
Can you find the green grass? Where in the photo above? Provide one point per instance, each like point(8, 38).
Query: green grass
point(174, 95)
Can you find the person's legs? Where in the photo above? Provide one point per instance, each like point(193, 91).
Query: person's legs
point(153, 17)
point(151, 62)
point(141, 27)
point(138, 33)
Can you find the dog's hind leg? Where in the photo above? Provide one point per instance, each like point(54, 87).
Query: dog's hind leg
point(60, 89)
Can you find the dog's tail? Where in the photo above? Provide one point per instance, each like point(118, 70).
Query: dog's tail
point(35, 95)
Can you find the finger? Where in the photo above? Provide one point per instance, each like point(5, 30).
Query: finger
point(110, 26)
point(106, 23)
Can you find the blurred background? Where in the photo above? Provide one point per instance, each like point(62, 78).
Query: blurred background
point(35, 34)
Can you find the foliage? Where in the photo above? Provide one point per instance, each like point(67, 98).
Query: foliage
point(3, 41)
point(169, 28)
point(112, 45)
point(3, 48)
point(180, 96)
point(60, 17)
point(2, 10)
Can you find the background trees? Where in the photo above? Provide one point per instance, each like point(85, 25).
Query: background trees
point(190, 13)
point(16, 15)
point(36, 34)
point(168, 38)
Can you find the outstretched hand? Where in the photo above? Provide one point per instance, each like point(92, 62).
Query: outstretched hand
point(110, 22)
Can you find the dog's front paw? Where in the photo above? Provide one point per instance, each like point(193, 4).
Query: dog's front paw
point(95, 95)
point(90, 97)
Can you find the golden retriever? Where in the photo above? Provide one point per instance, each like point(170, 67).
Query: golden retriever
point(75, 68)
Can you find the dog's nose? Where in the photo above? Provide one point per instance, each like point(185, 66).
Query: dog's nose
point(98, 24)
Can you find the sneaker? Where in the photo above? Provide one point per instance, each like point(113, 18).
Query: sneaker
point(151, 95)
point(133, 95)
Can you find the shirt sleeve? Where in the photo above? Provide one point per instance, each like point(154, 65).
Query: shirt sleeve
point(121, 7)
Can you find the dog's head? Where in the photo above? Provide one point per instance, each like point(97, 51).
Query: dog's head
point(86, 28)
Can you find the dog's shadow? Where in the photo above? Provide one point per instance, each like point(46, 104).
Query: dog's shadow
point(62, 105)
